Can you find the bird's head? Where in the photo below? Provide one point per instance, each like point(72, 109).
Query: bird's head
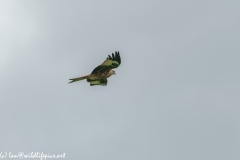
point(112, 72)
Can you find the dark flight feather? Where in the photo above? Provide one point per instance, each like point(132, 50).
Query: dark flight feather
point(106, 65)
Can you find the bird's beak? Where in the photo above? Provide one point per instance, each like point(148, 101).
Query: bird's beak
point(115, 73)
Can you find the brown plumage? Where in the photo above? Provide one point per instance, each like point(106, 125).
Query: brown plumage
point(100, 74)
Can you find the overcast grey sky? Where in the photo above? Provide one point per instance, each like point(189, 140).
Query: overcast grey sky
point(175, 96)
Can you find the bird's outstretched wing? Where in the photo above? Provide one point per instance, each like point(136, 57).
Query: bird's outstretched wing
point(101, 82)
point(111, 62)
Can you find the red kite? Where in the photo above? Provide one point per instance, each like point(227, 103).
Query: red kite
point(100, 74)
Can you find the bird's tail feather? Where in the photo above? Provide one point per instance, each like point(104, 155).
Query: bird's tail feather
point(78, 79)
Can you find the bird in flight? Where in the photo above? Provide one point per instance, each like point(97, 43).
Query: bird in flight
point(100, 74)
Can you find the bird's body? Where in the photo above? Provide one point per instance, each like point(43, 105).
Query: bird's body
point(100, 74)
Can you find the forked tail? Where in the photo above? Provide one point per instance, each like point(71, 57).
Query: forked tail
point(78, 79)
